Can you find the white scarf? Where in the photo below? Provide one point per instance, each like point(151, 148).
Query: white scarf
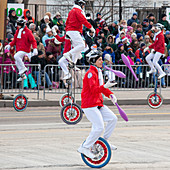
point(20, 32)
point(154, 38)
point(100, 75)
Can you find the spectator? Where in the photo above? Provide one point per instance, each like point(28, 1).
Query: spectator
point(88, 16)
point(28, 75)
point(32, 27)
point(118, 52)
point(151, 19)
point(146, 26)
point(151, 35)
point(98, 41)
point(167, 37)
point(89, 38)
point(147, 41)
point(27, 16)
point(133, 19)
point(123, 25)
point(119, 36)
point(110, 40)
point(13, 17)
point(129, 33)
point(42, 31)
point(40, 46)
point(140, 54)
point(113, 28)
point(139, 29)
point(53, 46)
point(105, 30)
point(134, 45)
point(56, 17)
point(164, 22)
point(61, 26)
point(134, 36)
point(48, 35)
point(97, 20)
point(40, 59)
point(140, 38)
point(100, 27)
point(47, 20)
point(10, 29)
point(109, 50)
point(134, 26)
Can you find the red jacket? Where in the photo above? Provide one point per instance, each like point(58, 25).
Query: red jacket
point(159, 44)
point(76, 20)
point(24, 43)
point(91, 94)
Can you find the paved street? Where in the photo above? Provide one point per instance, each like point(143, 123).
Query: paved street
point(37, 139)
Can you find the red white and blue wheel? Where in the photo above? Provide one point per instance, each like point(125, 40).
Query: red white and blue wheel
point(20, 102)
point(155, 101)
point(65, 99)
point(102, 151)
point(71, 113)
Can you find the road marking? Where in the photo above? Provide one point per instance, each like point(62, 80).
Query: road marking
point(50, 116)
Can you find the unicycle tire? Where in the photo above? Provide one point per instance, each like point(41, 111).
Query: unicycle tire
point(103, 152)
point(71, 113)
point(20, 102)
point(155, 104)
point(65, 99)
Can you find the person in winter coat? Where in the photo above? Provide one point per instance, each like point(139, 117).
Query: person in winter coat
point(164, 22)
point(13, 17)
point(110, 40)
point(92, 105)
point(23, 39)
point(109, 50)
point(89, 38)
point(133, 19)
point(158, 50)
point(48, 35)
point(74, 27)
point(10, 29)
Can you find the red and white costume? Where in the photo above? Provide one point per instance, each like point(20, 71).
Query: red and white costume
point(91, 97)
point(159, 47)
point(23, 39)
point(74, 26)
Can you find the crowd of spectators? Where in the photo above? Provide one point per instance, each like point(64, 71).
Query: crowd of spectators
point(129, 37)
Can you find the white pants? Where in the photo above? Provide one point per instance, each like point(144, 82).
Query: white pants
point(155, 58)
point(19, 61)
point(97, 118)
point(77, 43)
point(111, 75)
point(63, 63)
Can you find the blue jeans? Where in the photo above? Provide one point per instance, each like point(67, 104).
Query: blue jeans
point(47, 79)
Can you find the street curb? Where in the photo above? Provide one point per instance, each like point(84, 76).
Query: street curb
point(48, 103)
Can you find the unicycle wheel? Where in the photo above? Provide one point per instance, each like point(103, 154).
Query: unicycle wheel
point(71, 113)
point(155, 101)
point(102, 151)
point(20, 102)
point(65, 99)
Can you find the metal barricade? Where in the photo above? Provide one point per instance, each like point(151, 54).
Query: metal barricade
point(9, 76)
point(166, 68)
point(54, 75)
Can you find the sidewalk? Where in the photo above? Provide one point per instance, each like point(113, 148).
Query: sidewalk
point(129, 97)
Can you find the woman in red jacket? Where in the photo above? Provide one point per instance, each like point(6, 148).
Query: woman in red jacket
point(92, 104)
point(158, 50)
point(23, 39)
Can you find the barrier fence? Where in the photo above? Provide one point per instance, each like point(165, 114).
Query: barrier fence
point(9, 76)
point(50, 79)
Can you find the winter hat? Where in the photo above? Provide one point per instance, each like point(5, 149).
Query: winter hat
point(135, 13)
point(129, 28)
point(46, 17)
point(147, 37)
point(122, 32)
point(48, 53)
point(124, 38)
point(145, 20)
point(168, 58)
point(108, 57)
point(48, 29)
point(138, 60)
point(57, 13)
point(119, 45)
point(88, 16)
point(43, 26)
point(98, 14)
point(142, 45)
point(9, 36)
point(116, 22)
point(150, 15)
point(6, 51)
point(139, 35)
point(133, 34)
point(163, 15)
point(40, 52)
point(167, 33)
point(28, 11)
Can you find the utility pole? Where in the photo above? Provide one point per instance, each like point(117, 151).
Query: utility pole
point(120, 10)
point(112, 11)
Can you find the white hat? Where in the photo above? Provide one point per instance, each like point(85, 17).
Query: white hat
point(133, 34)
point(107, 57)
point(57, 13)
point(46, 17)
point(48, 29)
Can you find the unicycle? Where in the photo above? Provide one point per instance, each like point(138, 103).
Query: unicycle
point(155, 99)
point(71, 113)
point(20, 102)
point(103, 153)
